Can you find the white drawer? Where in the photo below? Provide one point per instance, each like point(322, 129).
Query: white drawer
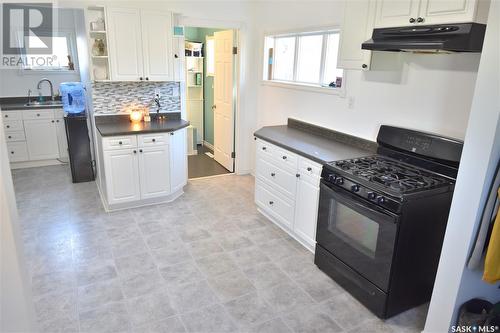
point(284, 180)
point(119, 142)
point(265, 148)
point(12, 115)
point(285, 158)
point(310, 168)
point(18, 151)
point(38, 114)
point(13, 125)
point(15, 136)
point(271, 202)
point(153, 139)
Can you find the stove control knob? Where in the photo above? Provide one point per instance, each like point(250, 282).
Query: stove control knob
point(355, 188)
point(381, 200)
point(332, 178)
point(371, 195)
point(340, 181)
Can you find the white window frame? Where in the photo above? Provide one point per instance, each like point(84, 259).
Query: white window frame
point(212, 57)
point(298, 85)
point(70, 36)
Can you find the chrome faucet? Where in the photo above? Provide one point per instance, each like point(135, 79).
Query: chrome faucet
point(39, 86)
point(29, 97)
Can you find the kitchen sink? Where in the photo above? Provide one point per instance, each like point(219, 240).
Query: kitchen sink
point(43, 104)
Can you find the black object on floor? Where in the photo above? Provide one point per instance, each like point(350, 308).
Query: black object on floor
point(80, 158)
point(201, 165)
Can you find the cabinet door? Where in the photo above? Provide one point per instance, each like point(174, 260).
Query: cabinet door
point(154, 173)
point(306, 211)
point(122, 175)
point(125, 49)
point(356, 29)
point(41, 139)
point(447, 11)
point(62, 141)
point(157, 45)
point(395, 13)
point(178, 160)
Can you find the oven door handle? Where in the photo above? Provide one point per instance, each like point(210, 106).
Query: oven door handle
point(362, 206)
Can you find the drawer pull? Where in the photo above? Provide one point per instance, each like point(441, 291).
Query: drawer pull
point(140, 150)
point(284, 157)
point(120, 143)
point(273, 174)
point(57, 120)
point(171, 133)
point(12, 152)
point(52, 121)
point(8, 126)
point(38, 115)
point(135, 151)
point(264, 148)
point(10, 136)
point(271, 202)
point(154, 140)
point(6, 116)
point(297, 175)
point(309, 169)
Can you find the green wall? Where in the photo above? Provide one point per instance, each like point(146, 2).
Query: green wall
point(199, 35)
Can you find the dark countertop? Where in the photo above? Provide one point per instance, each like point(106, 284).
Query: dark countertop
point(18, 103)
point(316, 143)
point(121, 125)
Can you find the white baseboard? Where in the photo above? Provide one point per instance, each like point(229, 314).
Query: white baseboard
point(34, 164)
point(208, 145)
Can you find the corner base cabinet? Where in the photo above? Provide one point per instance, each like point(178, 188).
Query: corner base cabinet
point(137, 170)
point(287, 191)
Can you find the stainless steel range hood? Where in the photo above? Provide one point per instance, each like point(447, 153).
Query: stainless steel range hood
point(443, 38)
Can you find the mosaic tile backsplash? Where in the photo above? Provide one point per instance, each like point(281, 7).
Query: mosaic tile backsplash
point(116, 97)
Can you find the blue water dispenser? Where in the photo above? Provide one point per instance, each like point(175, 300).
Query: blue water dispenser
point(73, 97)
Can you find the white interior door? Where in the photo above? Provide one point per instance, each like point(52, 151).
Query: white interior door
point(223, 98)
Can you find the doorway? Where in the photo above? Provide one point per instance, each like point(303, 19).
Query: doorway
point(210, 69)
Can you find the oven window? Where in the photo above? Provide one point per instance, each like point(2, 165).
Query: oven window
point(354, 228)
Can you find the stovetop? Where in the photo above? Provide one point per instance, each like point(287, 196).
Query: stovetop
point(390, 175)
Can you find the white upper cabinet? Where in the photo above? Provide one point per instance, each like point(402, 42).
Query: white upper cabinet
point(157, 45)
point(356, 28)
point(394, 13)
point(125, 41)
point(140, 44)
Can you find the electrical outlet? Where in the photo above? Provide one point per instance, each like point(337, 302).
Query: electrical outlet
point(350, 102)
point(157, 93)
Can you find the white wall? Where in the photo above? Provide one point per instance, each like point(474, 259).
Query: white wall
point(15, 82)
point(455, 283)
point(425, 92)
point(16, 310)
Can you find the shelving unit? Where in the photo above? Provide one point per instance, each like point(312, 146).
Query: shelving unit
point(194, 95)
point(99, 64)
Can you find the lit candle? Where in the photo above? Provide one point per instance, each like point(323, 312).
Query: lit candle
point(135, 116)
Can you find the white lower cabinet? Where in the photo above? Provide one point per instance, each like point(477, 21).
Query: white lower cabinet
point(41, 139)
point(154, 171)
point(122, 175)
point(287, 191)
point(142, 169)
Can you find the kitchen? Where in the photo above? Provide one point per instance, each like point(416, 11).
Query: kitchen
point(391, 92)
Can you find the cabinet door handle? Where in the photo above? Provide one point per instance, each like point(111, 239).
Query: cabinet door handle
point(411, 20)
point(297, 175)
point(57, 120)
point(140, 150)
point(420, 19)
point(6, 116)
point(10, 136)
point(147, 78)
point(284, 157)
point(154, 140)
point(8, 126)
point(12, 152)
point(171, 133)
point(273, 174)
point(309, 169)
point(364, 66)
point(120, 143)
point(264, 148)
point(38, 115)
point(135, 151)
point(271, 202)
point(140, 78)
point(52, 121)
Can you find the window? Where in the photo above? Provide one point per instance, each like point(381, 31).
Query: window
point(303, 58)
point(63, 57)
point(210, 56)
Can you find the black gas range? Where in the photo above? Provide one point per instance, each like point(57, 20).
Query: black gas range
point(382, 218)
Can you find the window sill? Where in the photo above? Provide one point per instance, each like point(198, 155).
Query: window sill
point(48, 71)
point(305, 87)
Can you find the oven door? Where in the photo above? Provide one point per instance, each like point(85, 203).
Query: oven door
point(359, 233)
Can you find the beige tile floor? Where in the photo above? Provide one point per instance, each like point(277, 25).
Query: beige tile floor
point(209, 262)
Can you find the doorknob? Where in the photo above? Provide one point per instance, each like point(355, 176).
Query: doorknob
point(214, 107)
